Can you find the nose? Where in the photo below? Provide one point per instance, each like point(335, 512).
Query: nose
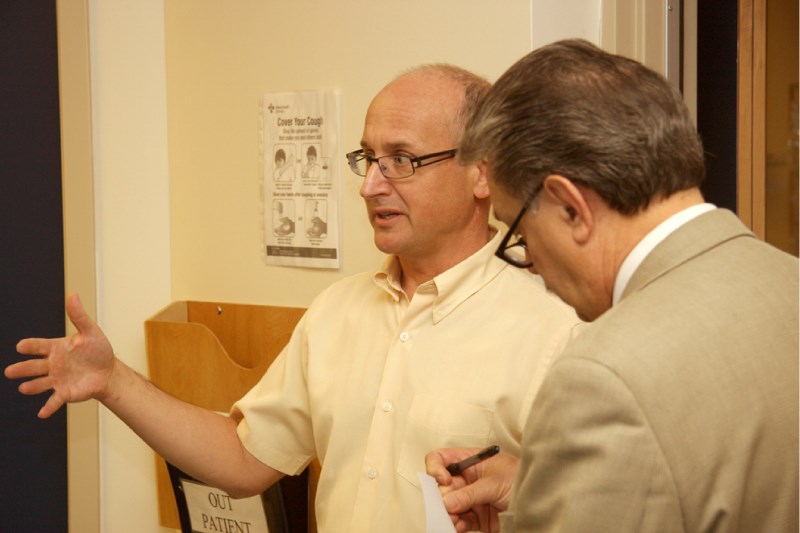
point(374, 183)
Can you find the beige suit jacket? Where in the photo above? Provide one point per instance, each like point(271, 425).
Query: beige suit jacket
point(677, 410)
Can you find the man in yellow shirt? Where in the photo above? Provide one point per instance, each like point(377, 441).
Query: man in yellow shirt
point(438, 348)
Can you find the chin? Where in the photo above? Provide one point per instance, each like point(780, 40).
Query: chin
point(387, 243)
point(385, 247)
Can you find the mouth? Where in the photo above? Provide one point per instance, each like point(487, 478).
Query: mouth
point(385, 215)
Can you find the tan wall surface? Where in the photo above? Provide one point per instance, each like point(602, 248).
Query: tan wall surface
point(222, 56)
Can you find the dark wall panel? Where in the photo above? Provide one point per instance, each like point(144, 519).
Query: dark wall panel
point(33, 461)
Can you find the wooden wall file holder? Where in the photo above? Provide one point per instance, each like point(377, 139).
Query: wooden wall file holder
point(209, 354)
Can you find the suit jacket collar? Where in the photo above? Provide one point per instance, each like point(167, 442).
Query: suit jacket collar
point(690, 240)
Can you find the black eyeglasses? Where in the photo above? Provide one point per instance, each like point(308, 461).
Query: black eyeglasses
point(395, 167)
point(516, 253)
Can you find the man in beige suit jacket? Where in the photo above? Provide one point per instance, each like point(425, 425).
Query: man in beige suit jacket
point(676, 409)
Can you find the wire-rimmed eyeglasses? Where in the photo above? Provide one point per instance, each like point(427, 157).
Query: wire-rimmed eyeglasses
point(516, 253)
point(395, 167)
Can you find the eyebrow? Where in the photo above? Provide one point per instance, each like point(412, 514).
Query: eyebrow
point(394, 147)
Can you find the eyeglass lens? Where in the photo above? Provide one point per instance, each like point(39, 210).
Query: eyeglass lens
point(392, 166)
point(517, 253)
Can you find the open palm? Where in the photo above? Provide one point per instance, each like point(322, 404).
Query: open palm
point(75, 368)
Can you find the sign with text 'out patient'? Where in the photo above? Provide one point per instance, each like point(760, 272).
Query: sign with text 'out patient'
point(212, 510)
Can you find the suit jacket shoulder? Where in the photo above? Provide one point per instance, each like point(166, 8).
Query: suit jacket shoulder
point(694, 372)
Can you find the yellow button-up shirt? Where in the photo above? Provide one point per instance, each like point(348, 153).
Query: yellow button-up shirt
point(370, 382)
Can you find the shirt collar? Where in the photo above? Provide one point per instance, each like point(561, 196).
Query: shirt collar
point(388, 277)
point(650, 241)
point(452, 286)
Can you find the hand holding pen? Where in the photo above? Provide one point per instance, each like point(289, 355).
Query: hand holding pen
point(456, 468)
point(474, 490)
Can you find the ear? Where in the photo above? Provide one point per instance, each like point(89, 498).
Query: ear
point(573, 205)
point(480, 181)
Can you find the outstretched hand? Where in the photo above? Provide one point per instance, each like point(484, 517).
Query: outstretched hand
point(75, 368)
point(476, 496)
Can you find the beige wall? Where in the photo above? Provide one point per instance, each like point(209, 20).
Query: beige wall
point(221, 59)
point(637, 29)
point(173, 209)
point(131, 210)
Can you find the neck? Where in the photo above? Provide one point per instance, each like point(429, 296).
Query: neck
point(642, 223)
point(623, 232)
point(416, 271)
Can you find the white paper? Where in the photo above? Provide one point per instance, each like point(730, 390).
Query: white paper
point(302, 164)
point(436, 518)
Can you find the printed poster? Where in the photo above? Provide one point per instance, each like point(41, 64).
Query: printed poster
point(302, 176)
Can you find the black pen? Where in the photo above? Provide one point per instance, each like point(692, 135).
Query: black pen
point(456, 468)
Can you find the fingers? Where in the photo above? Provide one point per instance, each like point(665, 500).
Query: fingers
point(436, 466)
point(60, 364)
point(31, 368)
point(34, 346)
point(436, 462)
point(492, 486)
point(77, 315)
point(36, 386)
point(467, 523)
point(27, 369)
point(53, 404)
point(462, 500)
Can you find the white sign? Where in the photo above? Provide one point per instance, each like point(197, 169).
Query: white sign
point(302, 175)
point(213, 510)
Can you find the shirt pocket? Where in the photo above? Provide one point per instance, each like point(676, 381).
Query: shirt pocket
point(440, 423)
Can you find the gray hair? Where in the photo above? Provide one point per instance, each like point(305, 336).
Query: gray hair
point(596, 118)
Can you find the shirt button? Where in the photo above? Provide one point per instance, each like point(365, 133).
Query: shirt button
point(372, 474)
point(404, 336)
point(387, 406)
